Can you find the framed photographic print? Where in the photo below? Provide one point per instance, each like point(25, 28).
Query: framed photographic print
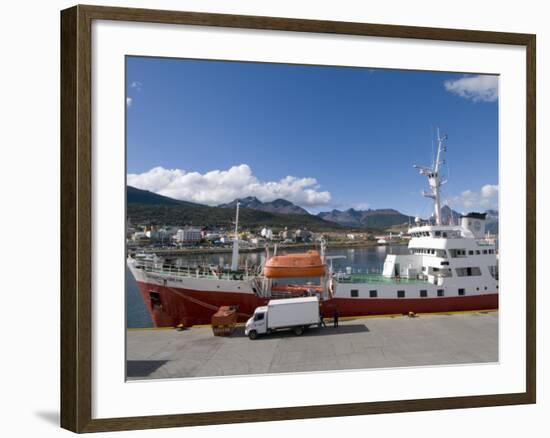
point(269, 218)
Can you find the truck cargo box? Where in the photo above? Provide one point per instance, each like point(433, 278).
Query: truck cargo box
point(291, 312)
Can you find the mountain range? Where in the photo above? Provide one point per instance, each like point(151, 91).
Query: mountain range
point(351, 218)
point(449, 216)
point(491, 221)
point(144, 206)
point(379, 219)
point(277, 206)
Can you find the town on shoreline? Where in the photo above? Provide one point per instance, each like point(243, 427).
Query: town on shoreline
point(194, 240)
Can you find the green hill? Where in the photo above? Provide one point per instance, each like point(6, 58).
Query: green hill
point(144, 207)
point(380, 219)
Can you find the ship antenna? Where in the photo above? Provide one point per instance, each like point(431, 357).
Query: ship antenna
point(432, 173)
point(235, 257)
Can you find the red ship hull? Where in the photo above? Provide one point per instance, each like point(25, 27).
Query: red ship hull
point(186, 307)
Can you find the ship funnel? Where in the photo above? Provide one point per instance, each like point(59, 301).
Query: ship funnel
point(474, 222)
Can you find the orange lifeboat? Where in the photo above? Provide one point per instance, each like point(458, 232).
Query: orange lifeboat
point(307, 264)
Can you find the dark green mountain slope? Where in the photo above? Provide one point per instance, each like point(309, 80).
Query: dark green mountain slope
point(144, 207)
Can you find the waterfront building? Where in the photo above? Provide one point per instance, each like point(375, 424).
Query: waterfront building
point(188, 235)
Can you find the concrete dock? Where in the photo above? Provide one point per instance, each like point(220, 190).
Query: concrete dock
point(370, 342)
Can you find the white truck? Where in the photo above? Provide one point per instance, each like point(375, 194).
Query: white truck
point(286, 313)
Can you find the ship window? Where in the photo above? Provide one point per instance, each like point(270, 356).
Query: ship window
point(373, 293)
point(440, 292)
point(400, 294)
point(484, 251)
point(438, 234)
point(468, 272)
point(444, 263)
point(354, 292)
point(461, 291)
point(423, 293)
point(471, 252)
point(478, 252)
point(444, 234)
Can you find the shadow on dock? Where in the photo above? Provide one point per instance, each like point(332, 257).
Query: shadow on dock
point(142, 368)
point(312, 331)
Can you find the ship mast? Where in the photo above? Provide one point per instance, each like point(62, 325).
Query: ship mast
point(434, 178)
point(235, 256)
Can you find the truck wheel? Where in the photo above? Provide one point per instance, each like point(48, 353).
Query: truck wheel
point(253, 334)
point(298, 331)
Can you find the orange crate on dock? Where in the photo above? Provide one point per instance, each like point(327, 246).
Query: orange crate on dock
point(224, 321)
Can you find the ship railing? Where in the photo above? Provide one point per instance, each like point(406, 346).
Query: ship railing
point(483, 242)
point(380, 279)
point(193, 272)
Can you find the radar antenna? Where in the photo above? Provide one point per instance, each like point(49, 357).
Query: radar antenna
point(432, 173)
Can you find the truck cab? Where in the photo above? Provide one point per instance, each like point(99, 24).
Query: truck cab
point(257, 323)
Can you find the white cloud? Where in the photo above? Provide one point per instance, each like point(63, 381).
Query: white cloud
point(361, 206)
point(486, 198)
point(129, 101)
point(221, 186)
point(137, 85)
point(477, 88)
point(489, 191)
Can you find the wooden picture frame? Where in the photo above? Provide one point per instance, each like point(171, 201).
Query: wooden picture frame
point(76, 217)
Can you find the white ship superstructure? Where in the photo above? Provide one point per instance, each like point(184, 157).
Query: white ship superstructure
point(443, 260)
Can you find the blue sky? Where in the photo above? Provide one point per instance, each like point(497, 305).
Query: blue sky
point(322, 137)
